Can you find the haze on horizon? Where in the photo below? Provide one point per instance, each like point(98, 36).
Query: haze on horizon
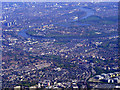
point(59, 1)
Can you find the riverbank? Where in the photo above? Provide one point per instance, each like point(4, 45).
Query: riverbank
point(88, 12)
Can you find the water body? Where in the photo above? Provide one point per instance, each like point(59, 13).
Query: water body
point(75, 22)
point(89, 12)
point(23, 33)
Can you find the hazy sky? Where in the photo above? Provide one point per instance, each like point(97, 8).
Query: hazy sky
point(59, 0)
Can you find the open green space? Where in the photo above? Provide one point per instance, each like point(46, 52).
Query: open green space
point(100, 20)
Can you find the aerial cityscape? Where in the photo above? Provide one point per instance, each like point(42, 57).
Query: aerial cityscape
point(56, 45)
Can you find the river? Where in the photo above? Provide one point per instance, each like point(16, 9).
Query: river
point(89, 12)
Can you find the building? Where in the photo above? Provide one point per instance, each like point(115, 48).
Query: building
point(17, 88)
point(99, 77)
